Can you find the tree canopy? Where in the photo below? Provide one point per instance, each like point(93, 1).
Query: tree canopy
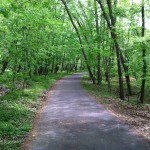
point(43, 40)
point(109, 38)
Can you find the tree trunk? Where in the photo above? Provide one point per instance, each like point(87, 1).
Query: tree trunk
point(107, 62)
point(126, 69)
point(80, 40)
point(99, 74)
point(143, 55)
point(112, 27)
point(4, 66)
point(121, 89)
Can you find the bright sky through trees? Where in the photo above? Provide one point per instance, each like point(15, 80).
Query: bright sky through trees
point(136, 1)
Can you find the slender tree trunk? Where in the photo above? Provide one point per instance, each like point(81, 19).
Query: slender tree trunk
point(107, 62)
point(111, 26)
point(4, 66)
point(99, 74)
point(126, 69)
point(53, 64)
point(119, 66)
point(81, 65)
point(80, 40)
point(143, 55)
point(118, 50)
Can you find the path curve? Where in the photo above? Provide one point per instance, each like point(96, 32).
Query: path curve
point(72, 120)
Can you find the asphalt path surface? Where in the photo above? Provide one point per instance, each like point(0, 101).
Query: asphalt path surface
point(72, 120)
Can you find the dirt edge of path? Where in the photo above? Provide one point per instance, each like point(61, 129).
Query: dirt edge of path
point(33, 133)
point(132, 119)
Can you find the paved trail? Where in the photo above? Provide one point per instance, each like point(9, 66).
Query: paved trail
point(72, 120)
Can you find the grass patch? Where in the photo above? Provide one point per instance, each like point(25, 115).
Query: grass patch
point(16, 115)
point(102, 93)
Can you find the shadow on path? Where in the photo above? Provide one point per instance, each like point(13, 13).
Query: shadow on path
point(72, 120)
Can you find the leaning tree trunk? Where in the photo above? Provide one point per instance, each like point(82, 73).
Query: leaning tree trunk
point(126, 69)
point(112, 28)
point(80, 40)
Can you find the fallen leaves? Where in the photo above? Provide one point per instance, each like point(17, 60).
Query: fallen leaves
point(137, 117)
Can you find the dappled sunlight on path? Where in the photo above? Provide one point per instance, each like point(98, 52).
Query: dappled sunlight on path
point(74, 121)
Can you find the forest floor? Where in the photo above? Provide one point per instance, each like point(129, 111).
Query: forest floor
point(18, 107)
point(73, 120)
point(136, 116)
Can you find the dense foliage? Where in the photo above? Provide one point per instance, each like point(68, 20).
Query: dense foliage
point(108, 38)
point(115, 38)
point(111, 36)
point(35, 39)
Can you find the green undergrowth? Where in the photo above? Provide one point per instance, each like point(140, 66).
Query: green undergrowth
point(17, 109)
point(102, 93)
